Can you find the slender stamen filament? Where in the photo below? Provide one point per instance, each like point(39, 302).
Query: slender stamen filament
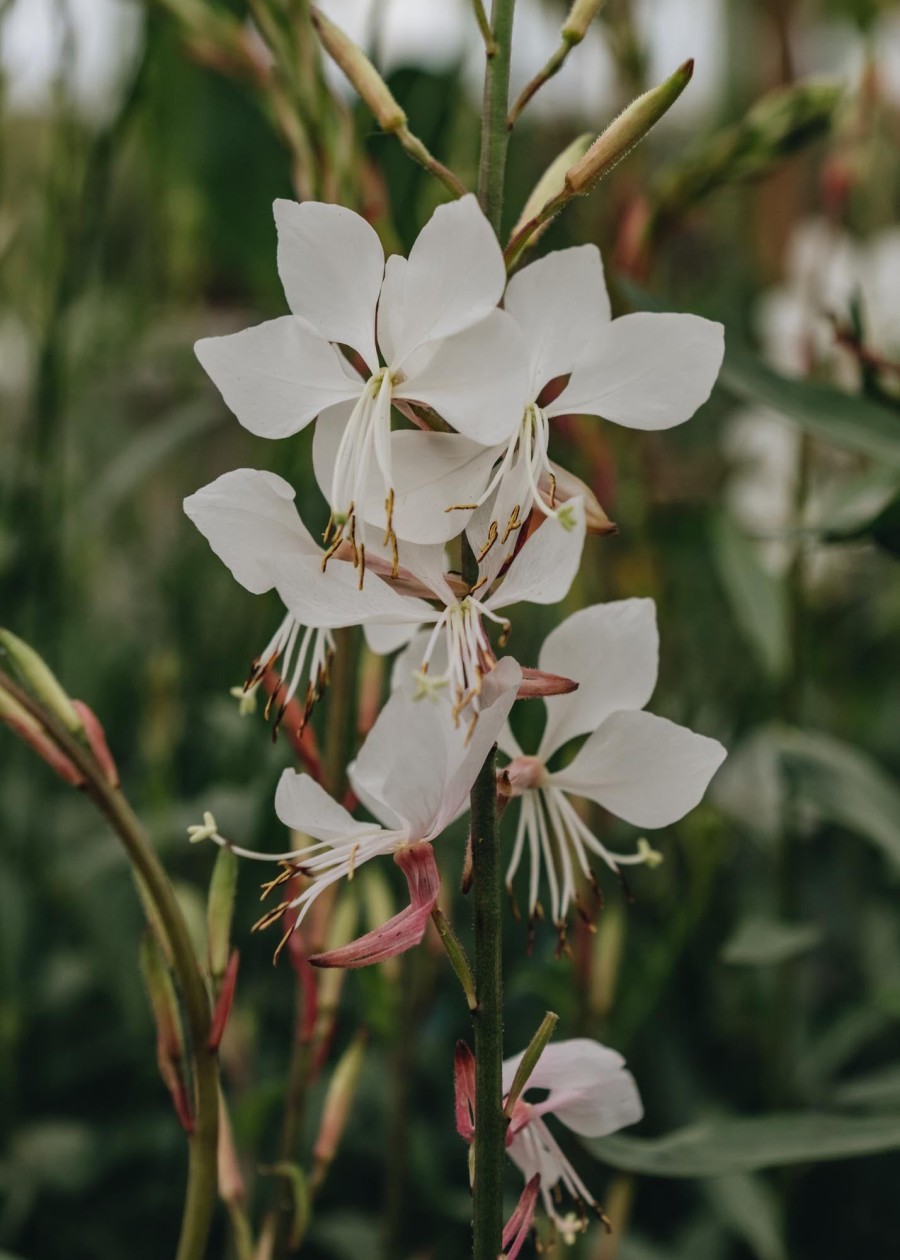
point(366, 437)
point(315, 646)
point(558, 838)
point(469, 655)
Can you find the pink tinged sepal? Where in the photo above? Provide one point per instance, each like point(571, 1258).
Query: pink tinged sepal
point(406, 929)
point(516, 1229)
point(537, 682)
point(224, 1002)
point(22, 724)
point(464, 1089)
point(96, 738)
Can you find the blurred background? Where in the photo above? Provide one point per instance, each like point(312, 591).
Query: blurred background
point(756, 973)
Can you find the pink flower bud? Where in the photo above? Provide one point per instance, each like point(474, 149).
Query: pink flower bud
point(96, 738)
point(522, 775)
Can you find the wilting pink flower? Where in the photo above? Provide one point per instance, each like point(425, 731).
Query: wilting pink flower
point(586, 1086)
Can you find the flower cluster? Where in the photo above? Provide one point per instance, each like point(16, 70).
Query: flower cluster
point(434, 385)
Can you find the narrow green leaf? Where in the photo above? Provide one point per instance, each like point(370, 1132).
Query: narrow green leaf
point(764, 942)
point(717, 1148)
point(757, 598)
point(875, 1089)
point(849, 421)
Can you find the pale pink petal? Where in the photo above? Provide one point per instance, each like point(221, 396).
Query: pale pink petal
point(331, 264)
point(612, 651)
point(589, 1087)
point(643, 768)
point(561, 305)
point(278, 376)
point(248, 516)
point(517, 1227)
point(648, 371)
point(464, 1091)
point(406, 929)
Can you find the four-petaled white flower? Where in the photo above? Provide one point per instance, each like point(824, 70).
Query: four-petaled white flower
point(643, 371)
point(642, 768)
point(413, 773)
point(433, 317)
point(586, 1086)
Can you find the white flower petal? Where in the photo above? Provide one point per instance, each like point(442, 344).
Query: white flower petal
point(454, 275)
point(545, 568)
point(277, 376)
point(433, 473)
point(385, 639)
point(402, 765)
point(612, 652)
point(590, 1089)
point(305, 806)
point(332, 598)
point(391, 306)
point(643, 768)
point(247, 516)
point(648, 371)
point(467, 752)
point(561, 304)
point(477, 380)
point(331, 265)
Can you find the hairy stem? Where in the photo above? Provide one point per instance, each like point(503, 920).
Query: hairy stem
point(487, 870)
point(202, 1182)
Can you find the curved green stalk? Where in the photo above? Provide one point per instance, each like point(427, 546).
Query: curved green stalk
point(202, 1184)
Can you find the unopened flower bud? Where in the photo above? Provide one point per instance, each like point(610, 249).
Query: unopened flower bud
point(627, 130)
point(581, 14)
point(551, 184)
point(522, 775)
point(361, 73)
point(231, 1179)
point(338, 1100)
point(527, 1064)
point(219, 910)
point(96, 738)
point(24, 725)
point(169, 1039)
point(40, 680)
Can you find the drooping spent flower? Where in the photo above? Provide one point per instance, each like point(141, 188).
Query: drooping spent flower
point(586, 1086)
point(642, 768)
point(413, 773)
point(431, 316)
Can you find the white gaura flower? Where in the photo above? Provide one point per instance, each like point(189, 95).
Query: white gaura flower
point(432, 316)
point(586, 1086)
point(644, 371)
point(541, 572)
point(413, 774)
point(251, 522)
point(642, 768)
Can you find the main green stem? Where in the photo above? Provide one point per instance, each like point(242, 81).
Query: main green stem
point(487, 870)
point(202, 1185)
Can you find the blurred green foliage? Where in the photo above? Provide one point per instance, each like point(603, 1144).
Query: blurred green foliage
point(758, 971)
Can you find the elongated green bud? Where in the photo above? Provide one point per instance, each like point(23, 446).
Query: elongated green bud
point(219, 909)
point(360, 71)
point(581, 14)
point(528, 1062)
point(627, 130)
point(40, 680)
point(551, 184)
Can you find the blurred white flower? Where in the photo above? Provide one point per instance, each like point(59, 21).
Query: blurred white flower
point(642, 768)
